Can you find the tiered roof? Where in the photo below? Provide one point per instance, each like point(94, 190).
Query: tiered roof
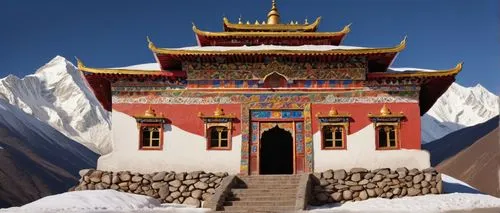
point(258, 42)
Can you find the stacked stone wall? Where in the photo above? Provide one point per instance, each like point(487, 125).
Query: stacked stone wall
point(360, 184)
point(169, 187)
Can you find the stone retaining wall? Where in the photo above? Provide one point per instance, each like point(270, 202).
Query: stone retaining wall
point(169, 187)
point(360, 184)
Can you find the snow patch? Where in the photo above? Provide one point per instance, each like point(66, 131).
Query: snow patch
point(145, 67)
point(271, 47)
point(452, 201)
point(408, 69)
point(99, 201)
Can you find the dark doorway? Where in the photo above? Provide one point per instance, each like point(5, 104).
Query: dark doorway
point(276, 152)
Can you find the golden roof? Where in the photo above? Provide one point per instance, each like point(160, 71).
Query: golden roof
point(344, 31)
point(82, 67)
point(437, 73)
point(401, 46)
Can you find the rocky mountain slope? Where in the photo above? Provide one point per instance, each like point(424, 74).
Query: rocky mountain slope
point(35, 159)
point(477, 165)
point(471, 154)
point(58, 95)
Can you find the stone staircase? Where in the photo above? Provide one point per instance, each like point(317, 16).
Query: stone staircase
point(263, 193)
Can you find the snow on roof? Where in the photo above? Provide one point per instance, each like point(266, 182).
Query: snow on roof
point(271, 47)
point(148, 66)
point(408, 69)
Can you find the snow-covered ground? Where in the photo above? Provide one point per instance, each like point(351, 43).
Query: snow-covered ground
point(99, 201)
point(459, 196)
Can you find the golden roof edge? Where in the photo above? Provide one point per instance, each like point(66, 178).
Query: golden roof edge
point(84, 68)
point(344, 31)
point(398, 48)
point(305, 27)
point(438, 73)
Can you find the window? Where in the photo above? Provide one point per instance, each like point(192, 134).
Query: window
point(150, 128)
point(333, 137)
point(219, 137)
point(386, 126)
point(218, 129)
point(151, 136)
point(334, 129)
point(386, 137)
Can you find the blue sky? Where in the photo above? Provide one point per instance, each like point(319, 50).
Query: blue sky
point(113, 33)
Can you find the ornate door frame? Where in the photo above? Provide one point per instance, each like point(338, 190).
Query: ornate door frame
point(250, 142)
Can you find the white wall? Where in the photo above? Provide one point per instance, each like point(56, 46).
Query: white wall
point(361, 152)
point(182, 151)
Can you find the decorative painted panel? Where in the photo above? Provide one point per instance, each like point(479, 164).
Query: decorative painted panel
point(276, 114)
point(264, 126)
point(330, 97)
point(354, 68)
point(308, 138)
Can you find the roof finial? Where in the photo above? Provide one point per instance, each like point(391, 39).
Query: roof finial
point(385, 110)
point(239, 20)
point(150, 112)
point(218, 111)
point(273, 17)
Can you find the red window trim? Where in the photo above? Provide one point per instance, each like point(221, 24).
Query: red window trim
point(209, 137)
point(398, 142)
point(159, 148)
point(344, 139)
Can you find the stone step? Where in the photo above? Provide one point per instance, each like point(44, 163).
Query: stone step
point(262, 198)
point(270, 177)
point(264, 191)
point(271, 182)
point(259, 209)
point(260, 203)
point(275, 186)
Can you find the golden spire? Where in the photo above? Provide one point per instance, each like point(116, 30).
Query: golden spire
point(239, 20)
point(273, 17)
point(218, 111)
point(385, 110)
point(150, 112)
point(333, 112)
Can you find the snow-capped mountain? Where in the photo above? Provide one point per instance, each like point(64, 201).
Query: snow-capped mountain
point(457, 108)
point(58, 95)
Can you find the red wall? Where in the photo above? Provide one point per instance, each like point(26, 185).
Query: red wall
point(186, 117)
point(409, 135)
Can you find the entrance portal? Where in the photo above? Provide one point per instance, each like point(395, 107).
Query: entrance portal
point(276, 152)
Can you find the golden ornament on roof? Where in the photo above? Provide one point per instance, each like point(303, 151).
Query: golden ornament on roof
point(385, 110)
point(150, 112)
point(273, 17)
point(218, 111)
point(333, 112)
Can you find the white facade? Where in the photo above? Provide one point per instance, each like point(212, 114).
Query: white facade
point(184, 151)
point(361, 152)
